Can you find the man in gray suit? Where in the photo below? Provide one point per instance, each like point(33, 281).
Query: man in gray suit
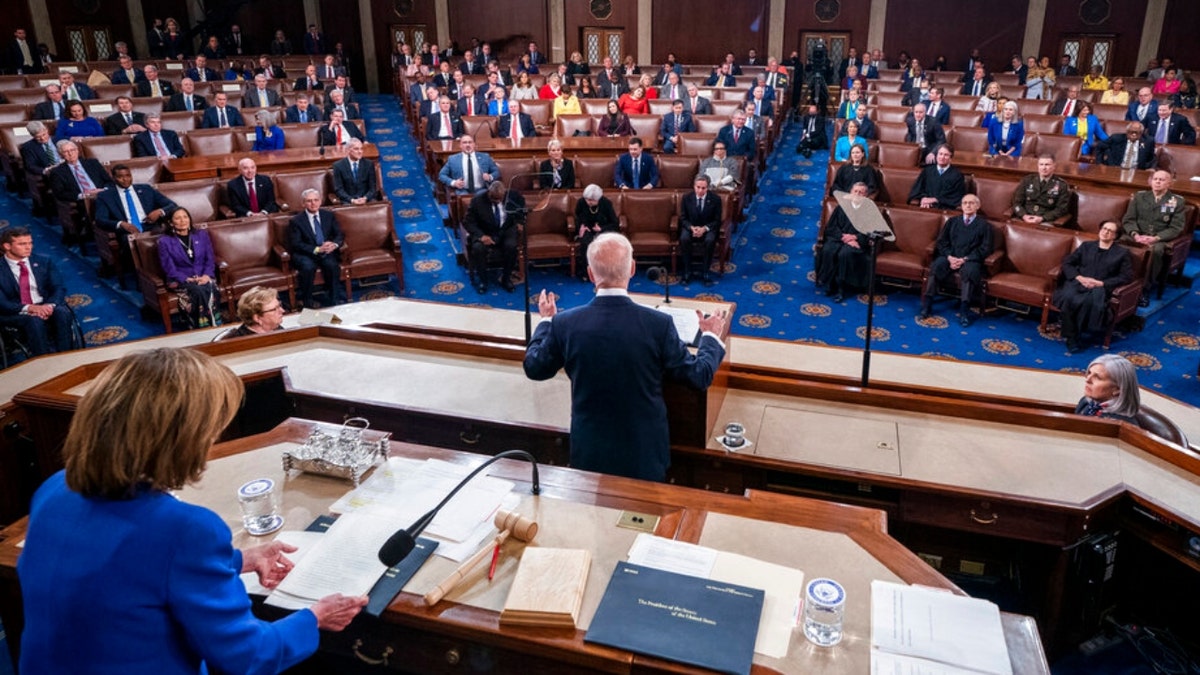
point(695, 103)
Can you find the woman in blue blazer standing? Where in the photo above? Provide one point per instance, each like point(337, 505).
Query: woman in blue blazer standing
point(1006, 131)
point(120, 576)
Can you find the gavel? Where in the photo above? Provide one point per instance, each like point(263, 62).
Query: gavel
point(520, 527)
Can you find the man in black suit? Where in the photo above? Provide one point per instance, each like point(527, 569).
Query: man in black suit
point(613, 86)
point(444, 125)
point(32, 296)
point(354, 176)
point(72, 90)
point(1170, 128)
point(850, 60)
point(301, 111)
point(186, 99)
point(469, 104)
point(54, 107)
point(125, 120)
point(492, 222)
point(38, 154)
point(251, 194)
point(152, 86)
point(1067, 106)
point(963, 244)
point(1065, 69)
point(236, 43)
point(156, 141)
point(336, 103)
point(618, 355)
point(469, 65)
point(131, 208)
point(310, 81)
point(926, 133)
point(126, 73)
point(695, 103)
point(939, 185)
point(977, 85)
point(74, 177)
point(813, 136)
point(329, 70)
point(338, 131)
point(156, 38)
point(220, 114)
point(269, 70)
point(699, 222)
point(201, 72)
point(678, 121)
point(739, 140)
point(21, 58)
point(866, 128)
point(313, 240)
point(314, 41)
point(260, 95)
point(525, 127)
point(1130, 150)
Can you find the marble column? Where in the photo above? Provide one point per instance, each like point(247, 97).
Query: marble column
point(1156, 14)
point(557, 25)
point(877, 25)
point(645, 31)
point(370, 62)
point(1035, 20)
point(45, 32)
point(441, 13)
point(775, 29)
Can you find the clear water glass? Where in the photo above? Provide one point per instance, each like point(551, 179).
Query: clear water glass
point(824, 609)
point(259, 502)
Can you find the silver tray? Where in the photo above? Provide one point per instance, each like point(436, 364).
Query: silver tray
point(339, 452)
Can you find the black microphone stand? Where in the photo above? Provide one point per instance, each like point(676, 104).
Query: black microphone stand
point(524, 244)
point(873, 242)
point(655, 274)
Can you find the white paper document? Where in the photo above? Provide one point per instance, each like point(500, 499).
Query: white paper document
point(344, 560)
point(947, 633)
point(304, 542)
point(687, 324)
point(669, 555)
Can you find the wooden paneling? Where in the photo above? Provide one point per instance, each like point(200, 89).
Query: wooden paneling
point(1178, 35)
point(112, 13)
point(713, 27)
point(259, 19)
point(1125, 22)
point(624, 16)
point(509, 30)
point(383, 16)
point(927, 29)
point(340, 22)
point(16, 15)
point(854, 19)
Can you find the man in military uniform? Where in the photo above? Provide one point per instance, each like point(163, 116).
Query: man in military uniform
point(1042, 197)
point(1153, 219)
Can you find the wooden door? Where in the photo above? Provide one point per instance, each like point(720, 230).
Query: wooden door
point(413, 35)
point(601, 42)
point(88, 43)
point(1087, 50)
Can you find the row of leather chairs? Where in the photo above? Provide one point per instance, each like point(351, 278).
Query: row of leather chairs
point(253, 252)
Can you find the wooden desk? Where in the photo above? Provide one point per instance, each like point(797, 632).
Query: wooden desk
point(1075, 173)
point(226, 166)
point(578, 509)
point(586, 146)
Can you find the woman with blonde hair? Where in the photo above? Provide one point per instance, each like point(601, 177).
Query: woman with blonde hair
point(260, 312)
point(267, 134)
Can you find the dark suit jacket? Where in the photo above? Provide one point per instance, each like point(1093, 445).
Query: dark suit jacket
point(302, 85)
point(143, 88)
point(325, 136)
point(647, 171)
point(239, 198)
point(292, 114)
point(947, 188)
point(605, 87)
point(480, 106)
point(934, 134)
point(49, 283)
point(866, 129)
point(943, 113)
point(346, 187)
point(33, 157)
point(14, 60)
point(566, 175)
point(480, 219)
point(276, 73)
point(1151, 112)
point(473, 68)
point(114, 124)
point(177, 102)
point(968, 87)
point(119, 76)
point(1059, 104)
point(176, 264)
point(686, 125)
point(62, 181)
point(110, 211)
point(1179, 131)
point(210, 75)
point(524, 122)
point(690, 214)
point(433, 126)
point(300, 239)
point(250, 98)
point(45, 111)
point(745, 145)
point(85, 92)
point(818, 138)
point(767, 108)
point(351, 112)
point(210, 120)
point(1112, 151)
point(314, 45)
point(143, 144)
point(617, 355)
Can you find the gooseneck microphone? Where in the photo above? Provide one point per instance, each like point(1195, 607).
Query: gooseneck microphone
point(658, 275)
point(400, 544)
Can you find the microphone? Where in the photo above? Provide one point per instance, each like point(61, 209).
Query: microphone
point(321, 140)
point(400, 544)
point(658, 275)
point(542, 205)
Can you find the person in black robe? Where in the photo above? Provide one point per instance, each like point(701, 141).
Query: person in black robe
point(1092, 271)
point(843, 262)
point(856, 170)
point(594, 215)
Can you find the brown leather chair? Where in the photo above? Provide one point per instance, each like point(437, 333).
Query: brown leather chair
point(29, 96)
point(968, 117)
point(300, 135)
point(566, 126)
point(908, 257)
point(212, 142)
point(893, 114)
point(181, 122)
point(107, 149)
point(598, 170)
point(647, 128)
point(995, 197)
point(905, 155)
point(710, 124)
point(889, 98)
point(539, 111)
point(145, 169)
point(1160, 425)
point(202, 198)
point(1094, 205)
point(480, 126)
point(726, 107)
point(593, 106)
point(971, 139)
point(660, 107)
point(511, 169)
point(1184, 160)
point(1042, 124)
point(549, 231)
point(678, 171)
point(248, 255)
point(1029, 264)
point(371, 247)
point(1038, 107)
point(891, 132)
point(151, 279)
point(1112, 113)
point(1063, 148)
point(149, 104)
point(649, 220)
point(896, 183)
point(290, 186)
point(696, 144)
point(12, 113)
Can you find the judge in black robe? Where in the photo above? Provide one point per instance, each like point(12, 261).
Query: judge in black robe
point(1091, 271)
point(843, 261)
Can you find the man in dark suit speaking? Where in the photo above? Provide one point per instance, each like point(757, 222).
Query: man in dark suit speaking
point(617, 354)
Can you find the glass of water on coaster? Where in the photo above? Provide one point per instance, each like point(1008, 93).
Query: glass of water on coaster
point(824, 609)
point(259, 502)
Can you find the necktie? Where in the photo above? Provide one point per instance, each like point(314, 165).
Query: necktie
point(154, 89)
point(128, 119)
point(71, 94)
point(159, 146)
point(303, 116)
point(735, 135)
point(469, 169)
point(933, 108)
point(758, 107)
point(23, 284)
point(446, 133)
point(329, 72)
point(499, 216)
point(700, 205)
point(470, 106)
point(435, 59)
point(516, 127)
point(1068, 108)
point(1161, 136)
point(316, 225)
point(339, 134)
point(188, 100)
point(253, 197)
point(941, 170)
point(132, 207)
point(221, 117)
point(967, 221)
point(637, 173)
point(203, 74)
point(771, 80)
point(50, 154)
point(57, 110)
point(1131, 153)
point(262, 98)
point(975, 89)
point(354, 170)
point(85, 182)
point(921, 134)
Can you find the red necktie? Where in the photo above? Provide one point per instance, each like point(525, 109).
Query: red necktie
point(516, 128)
point(470, 107)
point(253, 197)
point(23, 283)
point(735, 134)
point(339, 134)
point(159, 147)
point(446, 128)
point(1068, 108)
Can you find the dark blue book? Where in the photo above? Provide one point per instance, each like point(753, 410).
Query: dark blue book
point(696, 621)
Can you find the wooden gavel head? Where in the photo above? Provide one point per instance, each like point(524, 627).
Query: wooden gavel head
point(521, 528)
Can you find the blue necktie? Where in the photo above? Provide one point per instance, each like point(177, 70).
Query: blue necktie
point(133, 217)
point(188, 98)
point(316, 221)
point(303, 115)
point(354, 170)
point(636, 175)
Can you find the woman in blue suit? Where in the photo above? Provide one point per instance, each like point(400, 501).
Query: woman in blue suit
point(1006, 132)
point(267, 134)
point(120, 576)
point(841, 150)
point(1086, 126)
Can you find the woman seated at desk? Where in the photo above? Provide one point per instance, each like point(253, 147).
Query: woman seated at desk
point(1006, 132)
point(556, 173)
point(856, 170)
point(117, 574)
point(615, 123)
point(186, 256)
point(267, 134)
point(841, 149)
point(524, 90)
point(77, 123)
point(260, 312)
point(1086, 126)
point(1110, 390)
point(566, 104)
point(1116, 93)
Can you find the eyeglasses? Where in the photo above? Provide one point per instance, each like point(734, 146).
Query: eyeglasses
point(276, 308)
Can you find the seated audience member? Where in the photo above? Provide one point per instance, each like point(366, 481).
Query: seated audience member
point(813, 135)
point(1130, 150)
point(635, 170)
point(125, 120)
point(1168, 128)
point(126, 73)
point(550, 90)
point(1144, 109)
point(32, 296)
point(201, 72)
point(721, 77)
point(213, 49)
point(699, 222)
point(844, 264)
point(848, 106)
point(273, 72)
point(1090, 274)
point(314, 239)
point(74, 177)
point(221, 115)
point(612, 85)
point(267, 134)
point(77, 124)
point(695, 103)
point(493, 221)
point(54, 107)
point(335, 100)
point(939, 185)
point(937, 109)
point(1186, 97)
point(143, 430)
point(38, 154)
point(152, 85)
point(594, 214)
point(310, 82)
point(635, 102)
point(514, 124)
point(127, 209)
point(756, 124)
point(1110, 390)
point(186, 99)
point(468, 172)
point(963, 244)
point(989, 103)
point(1041, 198)
point(1067, 106)
point(260, 95)
point(469, 104)
point(445, 124)
point(354, 180)
point(1039, 81)
point(260, 311)
point(678, 121)
point(1116, 93)
point(556, 173)
point(524, 89)
point(739, 141)
point(337, 132)
point(1006, 132)
point(615, 123)
point(251, 194)
point(841, 150)
point(1086, 126)
point(1095, 79)
point(156, 141)
point(302, 111)
point(1168, 85)
point(498, 103)
point(977, 84)
point(721, 169)
point(566, 104)
point(927, 134)
point(78, 91)
point(188, 264)
point(854, 171)
point(1154, 217)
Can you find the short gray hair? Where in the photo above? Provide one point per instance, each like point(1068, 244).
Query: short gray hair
point(64, 143)
point(1123, 373)
point(610, 257)
point(304, 195)
point(35, 127)
point(593, 191)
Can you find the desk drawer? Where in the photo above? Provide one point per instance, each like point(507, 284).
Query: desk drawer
point(992, 517)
